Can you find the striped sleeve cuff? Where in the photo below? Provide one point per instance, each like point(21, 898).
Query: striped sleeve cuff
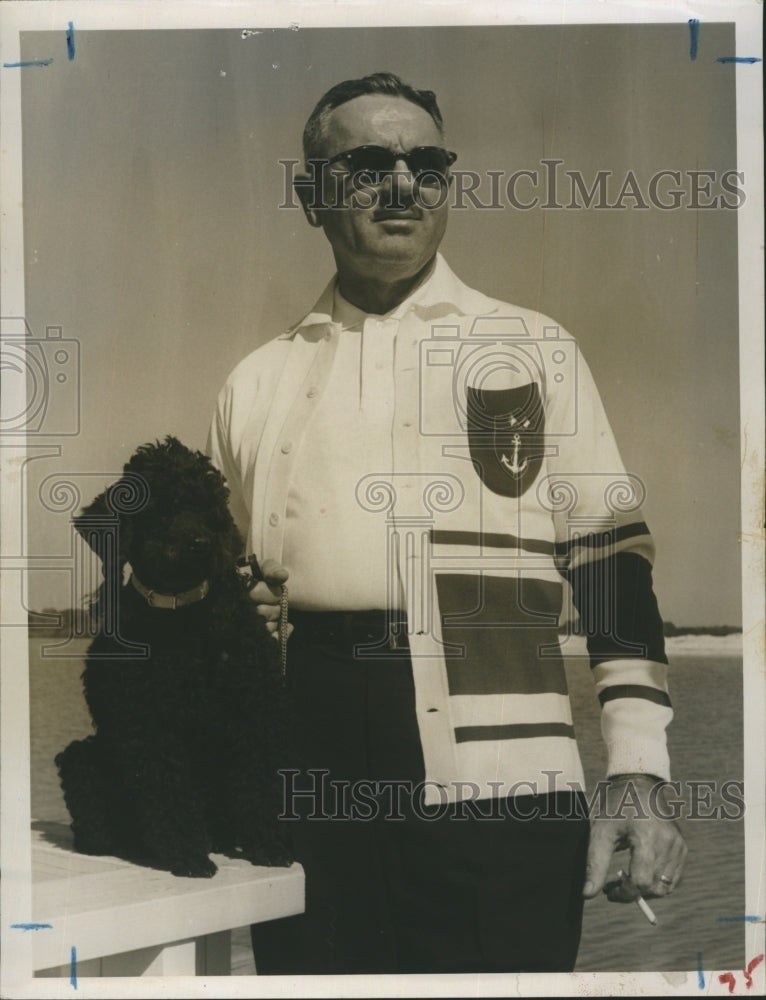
point(635, 712)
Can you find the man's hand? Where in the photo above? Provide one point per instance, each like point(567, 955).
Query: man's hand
point(657, 849)
point(268, 593)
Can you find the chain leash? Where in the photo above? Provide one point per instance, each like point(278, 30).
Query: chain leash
point(283, 628)
point(250, 571)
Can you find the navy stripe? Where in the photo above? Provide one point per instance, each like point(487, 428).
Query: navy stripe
point(519, 731)
point(634, 691)
point(618, 608)
point(490, 539)
point(604, 538)
point(500, 634)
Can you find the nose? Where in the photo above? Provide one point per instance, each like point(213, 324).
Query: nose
point(400, 183)
point(199, 544)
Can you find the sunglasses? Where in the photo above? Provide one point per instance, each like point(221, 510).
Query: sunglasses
point(370, 165)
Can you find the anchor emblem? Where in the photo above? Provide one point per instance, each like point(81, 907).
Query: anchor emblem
point(505, 435)
point(513, 465)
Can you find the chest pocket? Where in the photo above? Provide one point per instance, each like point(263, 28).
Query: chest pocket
point(506, 436)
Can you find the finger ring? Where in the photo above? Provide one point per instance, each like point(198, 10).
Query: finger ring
point(665, 880)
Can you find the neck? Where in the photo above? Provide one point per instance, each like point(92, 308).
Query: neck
point(378, 295)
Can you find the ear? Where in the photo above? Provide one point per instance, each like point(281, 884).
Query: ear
point(93, 515)
point(97, 522)
point(307, 188)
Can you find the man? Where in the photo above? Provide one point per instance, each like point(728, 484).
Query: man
point(427, 464)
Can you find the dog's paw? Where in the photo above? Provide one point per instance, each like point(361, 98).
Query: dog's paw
point(273, 856)
point(282, 858)
point(194, 868)
point(226, 847)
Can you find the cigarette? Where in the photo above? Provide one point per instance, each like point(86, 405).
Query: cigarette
point(640, 902)
point(646, 910)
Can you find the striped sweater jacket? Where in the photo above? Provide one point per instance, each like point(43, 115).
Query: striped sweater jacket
point(506, 484)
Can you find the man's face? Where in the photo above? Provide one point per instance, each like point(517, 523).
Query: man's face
point(390, 226)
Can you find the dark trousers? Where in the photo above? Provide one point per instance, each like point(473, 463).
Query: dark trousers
point(395, 887)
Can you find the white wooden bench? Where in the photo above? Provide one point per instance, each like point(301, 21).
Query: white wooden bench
point(108, 917)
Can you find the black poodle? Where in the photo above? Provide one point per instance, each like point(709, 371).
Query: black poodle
point(183, 680)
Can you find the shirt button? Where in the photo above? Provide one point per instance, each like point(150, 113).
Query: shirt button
point(287, 447)
point(273, 520)
point(407, 423)
point(312, 391)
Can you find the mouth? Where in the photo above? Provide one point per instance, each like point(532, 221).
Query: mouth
point(388, 215)
point(402, 222)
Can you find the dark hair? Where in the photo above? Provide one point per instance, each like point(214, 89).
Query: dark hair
point(376, 83)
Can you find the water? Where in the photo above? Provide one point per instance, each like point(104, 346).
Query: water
point(705, 745)
point(705, 741)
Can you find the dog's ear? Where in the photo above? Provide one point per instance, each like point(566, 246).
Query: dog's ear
point(94, 515)
point(99, 521)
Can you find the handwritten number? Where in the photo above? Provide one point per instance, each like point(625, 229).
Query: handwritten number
point(728, 977)
point(747, 973)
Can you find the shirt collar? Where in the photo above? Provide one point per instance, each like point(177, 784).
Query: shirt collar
point(442, 293)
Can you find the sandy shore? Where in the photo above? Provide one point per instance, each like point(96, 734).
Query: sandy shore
point(680, 645)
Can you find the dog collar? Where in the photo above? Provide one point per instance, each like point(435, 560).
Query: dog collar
point(170, 601)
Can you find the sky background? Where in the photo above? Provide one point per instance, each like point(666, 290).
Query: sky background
point(153, 237)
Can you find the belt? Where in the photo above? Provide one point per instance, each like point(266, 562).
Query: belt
point(378, 631)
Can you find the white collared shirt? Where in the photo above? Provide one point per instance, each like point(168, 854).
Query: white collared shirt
point(337, 548)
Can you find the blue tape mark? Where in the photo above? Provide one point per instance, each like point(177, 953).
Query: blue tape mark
point(31, 927)
point(748, 920)
point(70, 41)
point(694, 31)
point(738, 59)
point(30, 62)
point(700, 973)
point(73, 968)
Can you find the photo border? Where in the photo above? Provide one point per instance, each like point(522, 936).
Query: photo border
point(14, 701)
